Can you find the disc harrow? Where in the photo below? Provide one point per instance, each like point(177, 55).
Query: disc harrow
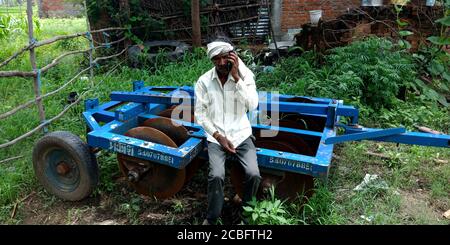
point(160, 147)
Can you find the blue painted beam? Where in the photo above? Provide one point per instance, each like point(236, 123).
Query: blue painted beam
point(173, 157)
point(129, 111)
point(365, 135)
point(412, 138)
point(144, 97)
point(291, 162)
point(90, 121)
point(307, 134)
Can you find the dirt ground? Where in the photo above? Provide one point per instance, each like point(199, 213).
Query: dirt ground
point(187, 207)
point(123, 206)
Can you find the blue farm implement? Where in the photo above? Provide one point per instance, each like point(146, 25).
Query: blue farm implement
point(159, 147)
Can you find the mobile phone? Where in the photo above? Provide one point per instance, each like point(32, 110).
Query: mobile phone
point(229, 64)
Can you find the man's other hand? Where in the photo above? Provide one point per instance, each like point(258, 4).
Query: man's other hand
point(226, 144)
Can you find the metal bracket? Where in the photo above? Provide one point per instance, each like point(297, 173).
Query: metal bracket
point(90, 104)
point(137, 85)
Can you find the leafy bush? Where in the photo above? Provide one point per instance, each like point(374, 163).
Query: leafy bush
point(381, 66)
point(376, 76)
point(372, 71)
point(268, 212)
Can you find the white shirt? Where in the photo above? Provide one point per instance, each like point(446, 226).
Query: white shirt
point(223, 108)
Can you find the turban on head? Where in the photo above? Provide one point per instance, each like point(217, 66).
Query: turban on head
point(218, 47)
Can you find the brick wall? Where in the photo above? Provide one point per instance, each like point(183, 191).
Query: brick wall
point(60, 8)
point(296, 12)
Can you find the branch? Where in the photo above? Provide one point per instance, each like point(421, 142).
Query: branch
point(19, 201)
point(58, 59)
point(31, 102)
point(40, 126)
point(10, 159)
point(48, 121)
point(26, 48)
point(57, 38)
point(109, 57)
point(235, 21)
point(17, 74)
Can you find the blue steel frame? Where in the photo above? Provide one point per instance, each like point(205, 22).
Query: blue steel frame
point(108, 123)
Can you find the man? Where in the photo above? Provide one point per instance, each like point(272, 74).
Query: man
point(224, 94)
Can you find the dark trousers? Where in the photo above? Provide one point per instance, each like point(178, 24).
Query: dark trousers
point(246, 156)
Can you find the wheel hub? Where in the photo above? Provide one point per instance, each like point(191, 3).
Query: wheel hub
point(63, 168)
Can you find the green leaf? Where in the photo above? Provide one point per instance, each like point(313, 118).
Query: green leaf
point(405, 33)
point(446, 76)
point(439, 40)
point(282, 220)
point(401, 23)
point(263, 204)
point(248, 209)
point(254, 216)
point(442, 100)
point(444, 21)
point(277, 203)
point(404, 44)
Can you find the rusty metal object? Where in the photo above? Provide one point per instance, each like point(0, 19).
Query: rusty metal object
point(148, 178)
point(176, 132)
point(63, 168)
point(169, 113)
point(287, 185)
point(179, 134)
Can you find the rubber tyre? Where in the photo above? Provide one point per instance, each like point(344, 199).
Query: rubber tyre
point(62, 146)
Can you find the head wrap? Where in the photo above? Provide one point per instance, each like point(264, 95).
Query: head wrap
point(218, 47)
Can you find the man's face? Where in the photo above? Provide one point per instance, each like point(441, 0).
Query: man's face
point(220, 62)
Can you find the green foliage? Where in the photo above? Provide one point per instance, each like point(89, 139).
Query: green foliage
point(433, 62)
point(414, 113)
point(443, 38)
point(370, 75)
point(132, 208)
point(12, 26)
point(268, 211)
point(137, 19)
point(402, 31)
point(372, 71)
point(382, 68)
point(178, 206)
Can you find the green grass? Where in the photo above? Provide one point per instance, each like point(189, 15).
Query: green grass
point(388, 206)
point(17, 177)
point(20, 10)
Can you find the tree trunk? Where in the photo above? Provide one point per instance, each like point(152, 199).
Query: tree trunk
point(195, 14)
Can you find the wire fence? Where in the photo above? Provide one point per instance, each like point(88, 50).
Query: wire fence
point(36, 72)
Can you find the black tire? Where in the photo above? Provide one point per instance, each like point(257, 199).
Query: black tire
point(64, 165)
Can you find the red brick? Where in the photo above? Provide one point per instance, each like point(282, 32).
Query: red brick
point(295, 13)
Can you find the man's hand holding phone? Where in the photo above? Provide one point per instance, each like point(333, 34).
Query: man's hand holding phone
point(234, 64)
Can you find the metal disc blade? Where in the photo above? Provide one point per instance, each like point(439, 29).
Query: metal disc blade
point(172, 113)
point(160, 180)
point(288, 185)
point(176, 132)
point(179, 134)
